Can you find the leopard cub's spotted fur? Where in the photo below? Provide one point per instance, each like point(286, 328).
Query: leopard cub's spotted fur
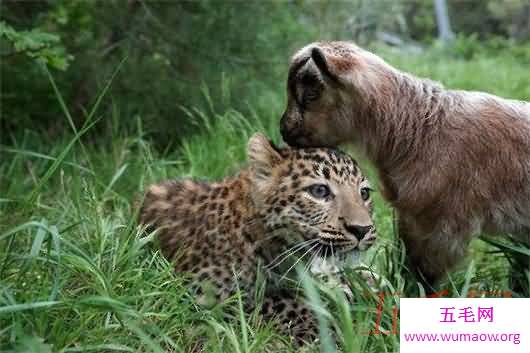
point(290, 204)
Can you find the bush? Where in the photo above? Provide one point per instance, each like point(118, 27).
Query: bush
point(172, 51)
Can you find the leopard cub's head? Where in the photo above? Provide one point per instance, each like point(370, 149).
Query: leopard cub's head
point(317, 197)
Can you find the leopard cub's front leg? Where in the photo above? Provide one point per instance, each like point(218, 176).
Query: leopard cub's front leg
point(293, 317)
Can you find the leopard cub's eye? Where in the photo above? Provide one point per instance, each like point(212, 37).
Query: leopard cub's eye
point(365, 193)
point(319, 191)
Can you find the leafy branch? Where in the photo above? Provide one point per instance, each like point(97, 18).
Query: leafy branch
point(36, 44)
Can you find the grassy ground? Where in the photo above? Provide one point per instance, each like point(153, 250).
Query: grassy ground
point(77, 275)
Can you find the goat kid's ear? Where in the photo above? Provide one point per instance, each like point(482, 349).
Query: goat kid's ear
point(262, 156)
point(323, 64)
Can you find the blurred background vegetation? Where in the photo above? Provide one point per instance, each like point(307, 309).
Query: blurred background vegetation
point(100, 98)
point(208, 54)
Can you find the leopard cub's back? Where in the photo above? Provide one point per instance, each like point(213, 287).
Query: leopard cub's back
point(200, 224)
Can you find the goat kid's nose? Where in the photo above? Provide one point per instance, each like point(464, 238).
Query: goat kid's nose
point(358, 231)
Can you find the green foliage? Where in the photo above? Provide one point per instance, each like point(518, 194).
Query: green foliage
point(421, 22)
point(470, 47)
point(174, 49)
point(441, 63)
point(505, 18)
point(44, 47)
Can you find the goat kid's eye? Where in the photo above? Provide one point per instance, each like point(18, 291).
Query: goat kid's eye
point(365, 193)
point(311, 94)
point(319, 191)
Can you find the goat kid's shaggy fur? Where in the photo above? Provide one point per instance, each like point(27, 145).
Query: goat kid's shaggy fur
point(452, 163)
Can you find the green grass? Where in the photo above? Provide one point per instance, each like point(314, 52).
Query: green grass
point(78, 275)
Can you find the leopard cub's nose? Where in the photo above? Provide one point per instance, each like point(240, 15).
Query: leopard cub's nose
point(358, 231)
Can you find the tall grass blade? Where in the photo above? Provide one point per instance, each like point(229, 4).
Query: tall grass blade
point(86, 127)
point(311, 291)
point(27, 306)
point(37, 242)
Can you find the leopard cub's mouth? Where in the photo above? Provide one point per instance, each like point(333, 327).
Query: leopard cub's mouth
point(332, 248)
point(326, 264)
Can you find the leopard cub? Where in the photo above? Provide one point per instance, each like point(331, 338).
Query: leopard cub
point(290, 206)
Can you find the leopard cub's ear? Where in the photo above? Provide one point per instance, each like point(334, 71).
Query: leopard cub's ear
point(262, 156)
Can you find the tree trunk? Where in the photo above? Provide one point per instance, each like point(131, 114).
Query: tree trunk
point(442, 19)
